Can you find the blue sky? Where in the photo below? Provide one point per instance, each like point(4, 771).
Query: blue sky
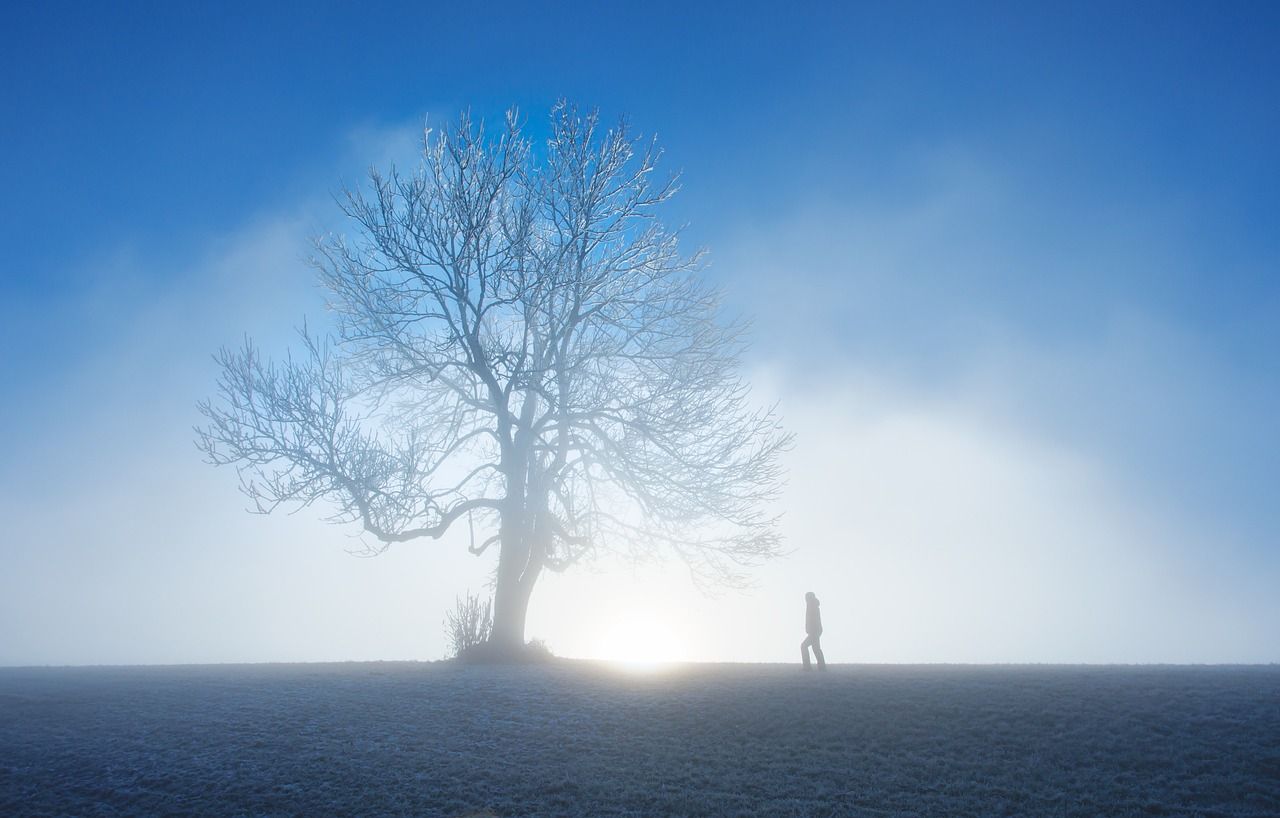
point(1014, 271)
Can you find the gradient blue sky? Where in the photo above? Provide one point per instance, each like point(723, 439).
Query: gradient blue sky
point(1014, 271)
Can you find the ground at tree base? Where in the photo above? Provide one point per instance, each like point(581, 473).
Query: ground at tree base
point(569, 738)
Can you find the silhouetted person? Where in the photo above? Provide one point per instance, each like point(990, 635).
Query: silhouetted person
point(812, 627)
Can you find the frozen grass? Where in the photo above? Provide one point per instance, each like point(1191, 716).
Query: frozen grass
point(580, 739)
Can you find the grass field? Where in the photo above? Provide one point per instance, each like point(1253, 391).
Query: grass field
point(581, 739)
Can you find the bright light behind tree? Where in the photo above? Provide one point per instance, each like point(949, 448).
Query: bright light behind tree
point(641, 640)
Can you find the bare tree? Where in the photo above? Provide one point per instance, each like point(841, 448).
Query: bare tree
point(519, 345)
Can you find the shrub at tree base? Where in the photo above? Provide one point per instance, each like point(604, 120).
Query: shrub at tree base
point(469, 624)
point(469, 632)
point(496, 653)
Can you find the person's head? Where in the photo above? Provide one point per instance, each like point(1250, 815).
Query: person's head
point(810, 597)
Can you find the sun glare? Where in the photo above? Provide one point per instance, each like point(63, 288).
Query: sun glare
point(641, 642)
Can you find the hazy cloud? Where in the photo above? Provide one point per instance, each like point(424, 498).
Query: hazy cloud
point(1008, 450)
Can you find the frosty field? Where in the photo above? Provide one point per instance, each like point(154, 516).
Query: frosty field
point(581, 739)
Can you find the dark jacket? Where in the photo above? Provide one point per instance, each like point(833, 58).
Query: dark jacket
point(812, 618)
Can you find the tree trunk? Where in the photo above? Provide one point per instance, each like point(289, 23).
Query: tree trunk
point(509, 610)
point(510, 596)
point(520, 557)
point(519, 564)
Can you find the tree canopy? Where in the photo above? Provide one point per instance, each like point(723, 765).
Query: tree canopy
point(519, 344)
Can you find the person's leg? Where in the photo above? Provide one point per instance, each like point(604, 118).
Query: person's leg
point(804, 650)
point(817, 651)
